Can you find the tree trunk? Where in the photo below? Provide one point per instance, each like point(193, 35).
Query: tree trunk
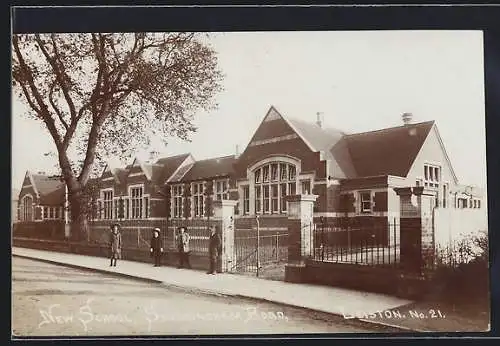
point(79, 225)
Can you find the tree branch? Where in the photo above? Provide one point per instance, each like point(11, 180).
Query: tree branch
point(60, 75)
point(56, 109)
point(43, 111)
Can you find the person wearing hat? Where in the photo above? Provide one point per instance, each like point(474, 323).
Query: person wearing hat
point(156, 247)
point(115, 244)
point(214, 249)
point(183, 247)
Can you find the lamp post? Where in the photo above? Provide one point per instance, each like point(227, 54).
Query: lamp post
point(258, 244)
point(67, 228)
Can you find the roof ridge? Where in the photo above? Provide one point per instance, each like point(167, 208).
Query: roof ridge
point(214, 158)
point(323, 129)
point(173, 156)
point(390, 128)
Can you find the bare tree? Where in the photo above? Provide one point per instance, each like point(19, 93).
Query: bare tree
point(102, 94)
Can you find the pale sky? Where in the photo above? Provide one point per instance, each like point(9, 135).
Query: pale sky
point(359, 80)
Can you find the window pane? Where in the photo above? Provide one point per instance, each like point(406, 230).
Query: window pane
point(265, 173)
point(282, 193)
point(257, 176)
point(266, 204)
point(274, 190)
point(426, 172)
point(257, 199)
point(266, 191)
point(283, 172)
point(291, 189)
point(306, 187)
point(275, 205)
point(291, 172)
point(274, 172)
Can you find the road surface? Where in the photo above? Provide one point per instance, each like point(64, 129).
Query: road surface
point(51, 300)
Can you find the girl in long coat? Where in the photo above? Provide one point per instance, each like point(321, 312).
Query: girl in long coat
point(115, 243)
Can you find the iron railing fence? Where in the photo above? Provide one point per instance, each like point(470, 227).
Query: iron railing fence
point(365, 245)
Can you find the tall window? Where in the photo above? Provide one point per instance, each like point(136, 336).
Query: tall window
point(177, 199)
point(198, 201)
point(246, 199)
point(27, 208)
point(365, 202)
point(432, 176)
point(273, 182)
point(136, 199)
point(306, 187)
point(221, 190)
point(258, 199)
point(108, 204)
point(146, 206)
point(116, 203)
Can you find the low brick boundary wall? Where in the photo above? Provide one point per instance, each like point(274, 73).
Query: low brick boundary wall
point(170, 258)
point(391, 281)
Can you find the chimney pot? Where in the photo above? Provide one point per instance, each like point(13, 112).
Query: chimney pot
point(318, 119)
point(237, 153)
point(407, 118)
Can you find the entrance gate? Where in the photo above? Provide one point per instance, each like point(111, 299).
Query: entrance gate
point(260, 252)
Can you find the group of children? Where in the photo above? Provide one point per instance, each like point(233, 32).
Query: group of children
point(156, 247)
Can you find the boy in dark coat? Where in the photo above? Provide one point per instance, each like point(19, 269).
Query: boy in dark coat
point(214, 249)
point(156, 247)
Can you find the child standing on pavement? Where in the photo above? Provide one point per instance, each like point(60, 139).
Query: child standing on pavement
point(156, 247)
point(115, 244)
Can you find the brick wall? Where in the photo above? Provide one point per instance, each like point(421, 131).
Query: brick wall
point(371, 279)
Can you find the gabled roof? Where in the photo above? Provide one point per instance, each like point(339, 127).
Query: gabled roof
point(179, 174)
point(389, 151)
point(331, 143)
point(210, 168)
point(121, 173)
point(169, 165)
point(46, 184)
point(50, 189)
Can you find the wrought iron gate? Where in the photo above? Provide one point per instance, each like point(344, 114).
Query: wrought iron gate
point(257, 250)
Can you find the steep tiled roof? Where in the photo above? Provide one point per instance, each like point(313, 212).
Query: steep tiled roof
point(180, 173)
point(121, 173)
point(170, 164)
point(210, 168)
point(389, 151)
point(46, 184)
point(55, 197)
point(330, 142)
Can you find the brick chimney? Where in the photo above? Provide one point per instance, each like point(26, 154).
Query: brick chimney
point(407, 118)
point(237, 151)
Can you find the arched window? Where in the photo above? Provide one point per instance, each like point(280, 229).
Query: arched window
point(27, 208)
point(272, 183)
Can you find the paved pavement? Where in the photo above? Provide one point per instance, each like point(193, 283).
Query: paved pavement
point(332, 300)
point(55, 300)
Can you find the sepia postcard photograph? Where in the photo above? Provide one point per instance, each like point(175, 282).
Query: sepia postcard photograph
point(236, 183)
